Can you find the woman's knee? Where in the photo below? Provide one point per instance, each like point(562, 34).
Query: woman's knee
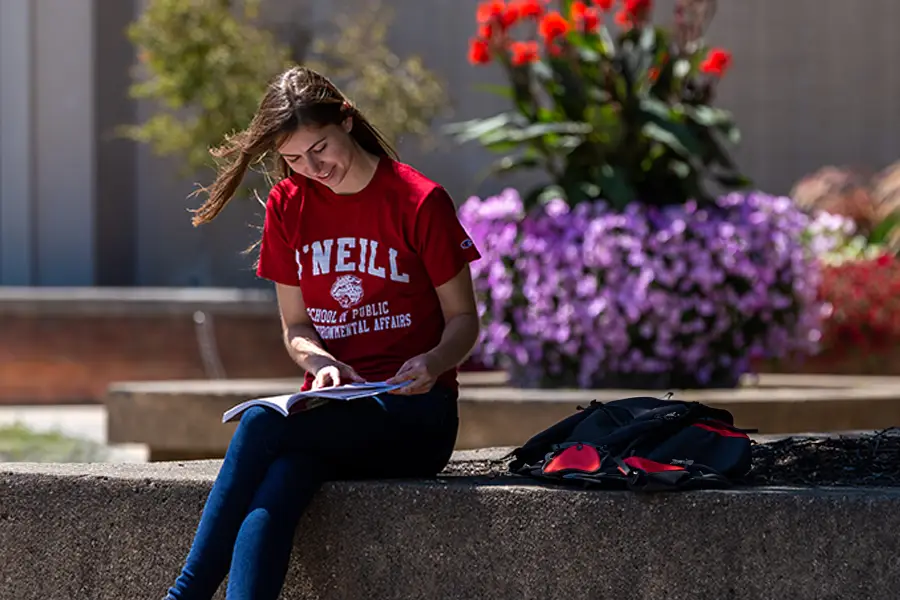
point(290, 483)
point(259, 424)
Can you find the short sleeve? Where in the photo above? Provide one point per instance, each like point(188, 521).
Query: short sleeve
point(440, 239)
point(277, 259)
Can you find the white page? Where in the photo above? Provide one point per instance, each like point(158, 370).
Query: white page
point(354, 391)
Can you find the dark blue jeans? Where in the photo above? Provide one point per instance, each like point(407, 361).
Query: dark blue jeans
point(273, 467)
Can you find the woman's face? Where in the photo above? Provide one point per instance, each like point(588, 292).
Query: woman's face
point(324, 154)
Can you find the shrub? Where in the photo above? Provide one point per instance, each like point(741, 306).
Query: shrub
point(400, 95)
point(207, 64)
point(870, 202)
point(677, 296)
point(840, 191)
point(863, 298)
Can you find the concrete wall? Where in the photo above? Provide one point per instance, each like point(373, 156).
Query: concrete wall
point(113, 532)
point(810, 86)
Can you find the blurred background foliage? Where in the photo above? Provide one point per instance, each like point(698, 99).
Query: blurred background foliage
point(206, 63)
point(19, 443)
point(401, 96)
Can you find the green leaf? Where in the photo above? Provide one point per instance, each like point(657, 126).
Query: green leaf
point(669, 119)
point(500, 145)
point(564, 143)
point(571, 93)
point(658, 109)
point(598, 95)
point(589, 55)
point(541, 71)
point(602, 116)
point(647, 40)
point(709, 116)
point(542, 194)
point(537, 130)
point(515, 163)
point(679, 168)
point(504, 91)
point(664, 136)
point(550, 193)
point(731, 133)
point(590, 190)
point(713, 152)
point(882, 233)
point(466, 131)
point(615, 186)
point(607, 43)
point(732, 180)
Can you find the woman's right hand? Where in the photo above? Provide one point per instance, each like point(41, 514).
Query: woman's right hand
point(334, 373)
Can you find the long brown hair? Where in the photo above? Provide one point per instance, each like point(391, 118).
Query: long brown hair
point(296, 97)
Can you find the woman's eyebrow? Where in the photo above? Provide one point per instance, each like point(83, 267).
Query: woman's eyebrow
point(319, 141)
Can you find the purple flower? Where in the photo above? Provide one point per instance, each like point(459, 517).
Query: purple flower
point(585, 291)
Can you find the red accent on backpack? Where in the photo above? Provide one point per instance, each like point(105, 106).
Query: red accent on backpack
point(579, 457)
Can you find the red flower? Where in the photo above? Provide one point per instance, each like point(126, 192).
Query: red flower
point(523, 52)
point(509, 16)
point(623, 19)
point(716, 62)
point(653, 73)
point(496, 16)
point(866, 314)
point(637, 9)
point(552, 26)
point(479, 52)
point(585, 18)
point(530, 8)
point(490, 10)
point(603, 5)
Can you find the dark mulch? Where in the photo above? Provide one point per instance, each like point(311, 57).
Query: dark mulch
point(851, 460)
point(848, 460)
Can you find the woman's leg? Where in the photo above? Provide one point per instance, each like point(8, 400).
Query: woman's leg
point(413, 437)
point(251, 451)
point(416, 437)
point(265, 540)
point(258, 498)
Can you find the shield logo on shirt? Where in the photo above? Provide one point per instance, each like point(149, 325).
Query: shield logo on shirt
point(347, 290)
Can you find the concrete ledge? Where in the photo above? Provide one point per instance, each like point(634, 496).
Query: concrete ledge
point(133, 302)
point(66, 345)
point(182, 419)
point(107, 532)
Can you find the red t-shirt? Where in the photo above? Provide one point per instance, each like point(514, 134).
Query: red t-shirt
point(368, 263)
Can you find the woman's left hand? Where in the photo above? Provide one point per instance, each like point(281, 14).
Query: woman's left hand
point(421, 371)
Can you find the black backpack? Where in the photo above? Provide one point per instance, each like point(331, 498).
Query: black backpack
point(641, 444)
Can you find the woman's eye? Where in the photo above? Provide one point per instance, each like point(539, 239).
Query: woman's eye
point(320, 149)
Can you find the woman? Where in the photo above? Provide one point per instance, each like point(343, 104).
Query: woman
point(370, 266)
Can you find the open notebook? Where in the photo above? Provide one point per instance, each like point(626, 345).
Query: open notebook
point(288, 403)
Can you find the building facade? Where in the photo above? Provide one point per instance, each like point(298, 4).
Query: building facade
point(811, 85)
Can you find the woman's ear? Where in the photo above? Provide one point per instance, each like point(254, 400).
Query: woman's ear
point(347, 124)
